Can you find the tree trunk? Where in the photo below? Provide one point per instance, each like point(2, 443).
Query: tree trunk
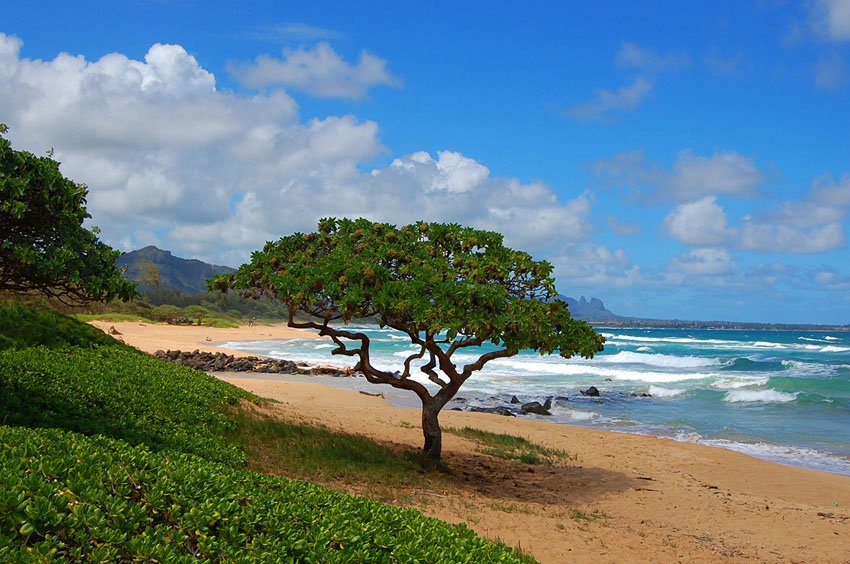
point(431, 429)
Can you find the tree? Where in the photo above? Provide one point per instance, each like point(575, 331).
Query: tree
point(447, 287)
point(43, 244)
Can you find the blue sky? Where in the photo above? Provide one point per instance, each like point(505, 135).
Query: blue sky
point(676, 159)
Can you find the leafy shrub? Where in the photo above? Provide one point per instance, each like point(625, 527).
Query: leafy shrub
point(64, 496)
point(22, 327)
point(119, 392)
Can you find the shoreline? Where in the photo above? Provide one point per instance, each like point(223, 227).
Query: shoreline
point(614, 497)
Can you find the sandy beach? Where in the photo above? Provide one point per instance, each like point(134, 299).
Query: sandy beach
point(615, 497)
point(150, 337)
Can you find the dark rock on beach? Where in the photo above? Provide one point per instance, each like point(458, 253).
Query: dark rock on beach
point(499, 410)
point(222, 362)
point(536, 408)
point(591, 392)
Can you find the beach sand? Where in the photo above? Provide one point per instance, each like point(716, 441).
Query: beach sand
point(150, 337)
point(616, 497)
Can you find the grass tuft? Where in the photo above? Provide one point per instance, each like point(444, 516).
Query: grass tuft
point(318, 453)
point(509, 447)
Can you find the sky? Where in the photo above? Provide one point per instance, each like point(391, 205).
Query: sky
point(678, 160)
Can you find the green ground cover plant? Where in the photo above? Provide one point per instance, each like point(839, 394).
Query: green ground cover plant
point(108, 454)
point(68, 497)
point(120, 393)
point(22, 327)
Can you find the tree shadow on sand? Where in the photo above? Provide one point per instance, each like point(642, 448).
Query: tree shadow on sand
point(563, 482)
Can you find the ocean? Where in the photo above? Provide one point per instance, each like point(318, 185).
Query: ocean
point(778, 395)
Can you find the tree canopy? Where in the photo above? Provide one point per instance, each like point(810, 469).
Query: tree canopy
point(43, 244)
point(447, 287)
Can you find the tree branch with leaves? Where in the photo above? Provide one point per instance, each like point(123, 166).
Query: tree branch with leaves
point(447, 287)
point(43, 244)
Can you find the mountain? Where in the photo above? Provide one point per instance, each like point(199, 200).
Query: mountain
point(592, 310)
point(148, 264)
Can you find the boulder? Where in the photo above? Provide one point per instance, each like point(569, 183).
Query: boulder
point(591, 392)
point(506, 411)
point(534, 407)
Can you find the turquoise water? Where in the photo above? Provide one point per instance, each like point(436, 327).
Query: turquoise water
point(778, 395)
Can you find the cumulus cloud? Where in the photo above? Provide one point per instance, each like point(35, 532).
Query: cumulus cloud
point(691, 176)
point(590, 265)
point(831, 19)
point(318, 71)
point(648, 59)
point(711, 261)
point(210, 174)
point(831, 192)
point(778, 238)
point(699, 223)
point(625, 99)
point(813, 224)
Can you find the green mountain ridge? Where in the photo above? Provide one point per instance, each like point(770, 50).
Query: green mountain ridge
point(150, 266)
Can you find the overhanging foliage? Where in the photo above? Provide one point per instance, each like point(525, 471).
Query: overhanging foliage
point(43, 244)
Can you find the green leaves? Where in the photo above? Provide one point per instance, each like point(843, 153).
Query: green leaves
point(111, 390)
point(69, 497)
point(422, 277)
point(43, 244)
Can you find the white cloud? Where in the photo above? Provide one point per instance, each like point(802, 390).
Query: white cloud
point(452, 171)
point(319, 71)
point(702, 262)
point(730, 66)
point(690, 176)
point(605, 101)
point(830, 72)
point(214, 175)
point(778, 238)
point(295, 31)
point(828, 278)
point(647, 59)
point(827, 191)
point(589, 265)
point(810, 225)
point(700, 223)
point(621, 228)
point(831, 19)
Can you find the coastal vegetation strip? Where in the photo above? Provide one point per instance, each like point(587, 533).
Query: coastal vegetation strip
point(110, 454)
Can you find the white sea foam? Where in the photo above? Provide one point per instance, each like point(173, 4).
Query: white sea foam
point(832, 348)
point(797, 456)
point(573, 414)
point(737, 383)
point(644, 349)
point(398, 337)
point(831, 338)
point(659, 392)
point(569, 368)
point(674, 340)
point(659, 360)
point(325, 346)
point(762, 396)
